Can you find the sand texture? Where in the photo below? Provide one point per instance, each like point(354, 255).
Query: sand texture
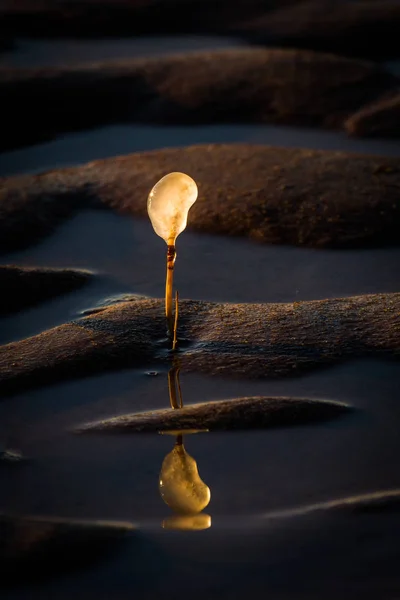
point(300, 197)
point(245, 85)
point(248, 340)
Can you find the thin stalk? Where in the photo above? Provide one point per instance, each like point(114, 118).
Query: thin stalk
point(178, 387)
point(174, 339)
point(172, 389)
point(171, 256)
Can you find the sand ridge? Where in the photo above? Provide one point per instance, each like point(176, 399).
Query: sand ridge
point(236, 340)
point(245, 85)
point(320, 199)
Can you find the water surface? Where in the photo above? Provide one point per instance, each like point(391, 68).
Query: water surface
point(30, 53)
point(75, 148)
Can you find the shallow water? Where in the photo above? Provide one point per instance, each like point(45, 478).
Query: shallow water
point(29, 53)
point(130, 258)
point(75, 148)
point(115, 477)
point(109, 477)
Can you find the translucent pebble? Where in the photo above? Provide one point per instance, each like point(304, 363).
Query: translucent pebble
point(168, 205)
point(180, 484)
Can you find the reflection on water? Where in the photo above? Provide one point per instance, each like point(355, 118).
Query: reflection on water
point(180, 484)
point(188, 522)
point(174, 388)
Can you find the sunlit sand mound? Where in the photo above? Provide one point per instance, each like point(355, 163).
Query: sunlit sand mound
point(237, 340)
point(222, 86)
point(272, 195)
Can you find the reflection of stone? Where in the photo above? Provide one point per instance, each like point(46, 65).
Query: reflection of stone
point(188, 522)
point(180, 484)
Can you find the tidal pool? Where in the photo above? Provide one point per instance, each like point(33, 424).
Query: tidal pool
point(250, 475)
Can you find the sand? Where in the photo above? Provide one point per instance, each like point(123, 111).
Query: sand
point(343, 27)
point(265, 340)
point(23, 286)
point(231, 85)
point(377, 118)
point(233, 414)
point(273, 195)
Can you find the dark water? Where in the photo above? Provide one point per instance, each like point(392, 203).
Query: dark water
point(29, 53)
point(249, 476)
point(76, 148)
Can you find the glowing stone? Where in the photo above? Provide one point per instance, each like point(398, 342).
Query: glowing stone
point(168, 205)
point(180, 484)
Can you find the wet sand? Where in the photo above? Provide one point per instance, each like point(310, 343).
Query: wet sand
point(129, 259)
point(301, 197)
point(345, 27)
point(234, 85)
point(249, 475)
point(258, 412)
point(24, 287)
point(245, 472)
